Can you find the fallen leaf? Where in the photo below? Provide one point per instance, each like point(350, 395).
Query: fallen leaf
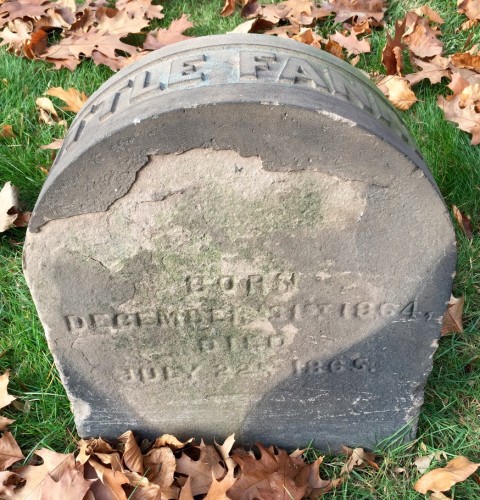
point(200, 469)
point(6, 132)
point(397, 90)
point(361, 10)
point(8, 200)
point(273, 475)
point(316, 485)
point(351, 43)
point(464, 222)
point(471, 8)
point(66, 481)
point(47, 112)
point(9, 484)
point(9, 451)
point(452, 320)
point(228, 8)
point(438, 496)
point(170, 441)
point(132, 456)
point(55, 144)
point(218, 489)
point(357, 457)
point(251, 8)
point(335, 49)
point(73, 99)
point(437, 480)
point(423, 463)
point(5, 422)
point(309, 37)
point(427, 11)
point(466, 60)
point(464, 110)
point(423, 41)
point(434, 70)
point(186, 491)
point(173, 34)
point(140, 8)
point(161, 465)
point(34, 475)
point(111, 479)
point(392, 52)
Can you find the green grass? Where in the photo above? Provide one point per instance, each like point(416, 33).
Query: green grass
point(450, 417)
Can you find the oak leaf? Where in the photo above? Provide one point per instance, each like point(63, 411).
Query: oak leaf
point(433, 69)
point(297, 12)
point(361, 10)
point(18, 9)
point(170, 441)
point(173, 34)
point(452, 320)
point(47, 112)
point(8, 199)
point(464, 110)
point(5, 422)
point(466, 60)
point(464, 222)
point(66, 481)
point(251, 9)
point(112, 480)
point(334, 48)
point(228, 8)
point(432, 15)
point(9, 451)
point(218, 489)
point(34, 475)
point(437, 480)
point(140, 8)
point(397, 90)
point(471, 8)
point(316, 486)
point(205, 461)
point(309, 37)
point(55, 144)
point(132, 456)
point(73, 99)
point(10, 483)
point(357, 458)
point(273, 475)
point(392, 52)
point(161, 465)
point(422, 40)
point(351, 43)
point(186, 492)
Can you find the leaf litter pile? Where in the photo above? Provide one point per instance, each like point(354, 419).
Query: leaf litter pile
point(65, 33)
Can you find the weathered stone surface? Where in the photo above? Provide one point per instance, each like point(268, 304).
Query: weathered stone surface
point(241, 250)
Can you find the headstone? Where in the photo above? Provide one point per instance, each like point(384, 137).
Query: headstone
point(238, 235)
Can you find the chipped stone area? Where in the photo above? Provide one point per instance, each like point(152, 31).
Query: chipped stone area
point(215, 291)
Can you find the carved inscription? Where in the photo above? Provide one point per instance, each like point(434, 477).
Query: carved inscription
point(337, 365)
point(202, 318)
point(220, 67)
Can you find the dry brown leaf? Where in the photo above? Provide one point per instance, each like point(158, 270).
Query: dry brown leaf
point(47, 112)
point(316, 485)
point(273, 475)
point(457, 470)
point(6, 132)
point(464, 222)
point(10, 483)
point(251, 8)
point(423, 463)
point(112, 480)
point(351, 43)
point(8, 200)
point(205, 461)
point(228, 8)
point(225, 449)
point(73, 99)
point(55, 144)
point(397, 90)
point(35, 474)
point(140, 8)
point(335, 49)
point(466, 60)
point(427, 11)
point(297, 12)
point(471, 8)
point(173, 34)
point(357, 457)
point(392, 52)
point(218, 489)
point(170, 441)
point(5, 422)
point(438, 496)
point(434, 70)
point(132, 456)
point(309, 37)
point(361, 10)
point(464, 110)
point(66, 482)
point(18, 9)
point(9, 451)
point(9, 212)
point(422, 40)
point(452, 320)
point(186, 492)
point(161, 465)
point(468, 25)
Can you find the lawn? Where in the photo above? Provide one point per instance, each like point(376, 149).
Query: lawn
point(450, 419)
